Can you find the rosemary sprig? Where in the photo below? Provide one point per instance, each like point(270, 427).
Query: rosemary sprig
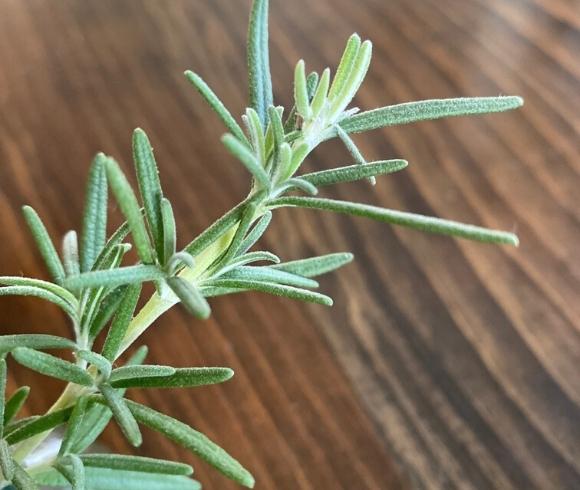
point(100, 292)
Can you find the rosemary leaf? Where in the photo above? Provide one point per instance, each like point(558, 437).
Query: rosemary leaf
point(301, 98)
point(122, 414)
point(113, 278)
point(37, 425)
point(34, 341)
point(136, 463)
point(94, 230)
point(255, 233)
point(149, 186)
point(410, 220)
point(6, 462)
point(168, 230)
point(181, 378)
point(190, 297)
point(353, 172)
point(276, 125)
point(424, 110)
point(275, 289)
point(345, 66)
point(267, 274)
point(71, 467)
point(121, 322)
point(40, 293)
point(51, 366)
point(217, 105)
point(44, 244)
point(37, 283)
point(315, 266)
point(142, 371)
point(130, 207)
point(257, 135)
point(353, 150)
point(74, 423)
point(2, 394)
point(321, 93)
point(107, 309)
point(301, 184)
point(15, 403)
point(193, 440)
point(70, 253)
point(22, 480)
point(247, 259)
point(244, 155)
point(260, 81)
point(241, 232)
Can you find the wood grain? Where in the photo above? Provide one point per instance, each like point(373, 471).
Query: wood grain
point(443, 364)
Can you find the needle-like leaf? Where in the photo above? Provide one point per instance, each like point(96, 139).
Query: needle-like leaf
point(15, 403)
point(136, 463)
point(424, 110)
point(354, 172)
point(142, 371)
point(122, 414)
point(97, 360)
point(51, 366)
point(42, 294)
point(131, 210)
point(95, 215)
point(6, 461)
point(315, 266)
point(71, 467)
point(132, 274)
point(256, 232)
point(121, 322)
point(267, 274)
point(244, 155)
point(190, 297)
point(70, 253)
point(22, 480)
point(260, 81)
point(34, 341)
point(345, 66)
point(44, 244)
point(410, 220)
point(217, 105)
point(275, 289)
point(74, 423)
point(149, 186)
point(301, 98)
point(37, 425)
point(181, 378)
point(169, 230)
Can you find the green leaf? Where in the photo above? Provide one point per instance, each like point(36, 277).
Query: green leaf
point(275, 289)
point(34, 341)
point(149, 186)
point(109, 479)
point(315, 266)
point(132, 274)
point(267, 274)
point(95, 215)
point(241, 232)
point(38, 425)
point(2, 393)
point(216, 104)
point(59, 291)
point(112, 243)
point(319, 99)
point(51, 366)
point(301, 98)
point(248, 259)
point(298, 155)
point(298, 183)
point(74, 423)
point(15, 403)
point(345, 66)
point(182, 378)
point(410, 220)
point(44, 244)
point(143, 371)
point(276, 125)
point(169, 230)
point(190, 297)
point(22, 480)
point(130, 208)
point(40, 293)
point(71, 467)
point(255, 234)
point(244, 155)
point(256, 131)
point(424, 110)
point(122, 414)
point(98, 416)
point(260, 81)
point(70, 253)
point(121, 322)
point(354, 172)
point(193, 440)
point(97, 360)
point(291, 121)
point(136, 463)
point(6, 462)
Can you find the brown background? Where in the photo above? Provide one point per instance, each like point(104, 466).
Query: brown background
point(443, 364)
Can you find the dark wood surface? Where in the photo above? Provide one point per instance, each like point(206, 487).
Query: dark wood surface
point(443, 364)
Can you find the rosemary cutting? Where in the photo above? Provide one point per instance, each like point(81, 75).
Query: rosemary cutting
point(99, 291)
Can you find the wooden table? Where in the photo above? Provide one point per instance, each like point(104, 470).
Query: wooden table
point(443, 364)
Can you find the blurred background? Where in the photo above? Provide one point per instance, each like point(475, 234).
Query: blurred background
point(443, 364)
